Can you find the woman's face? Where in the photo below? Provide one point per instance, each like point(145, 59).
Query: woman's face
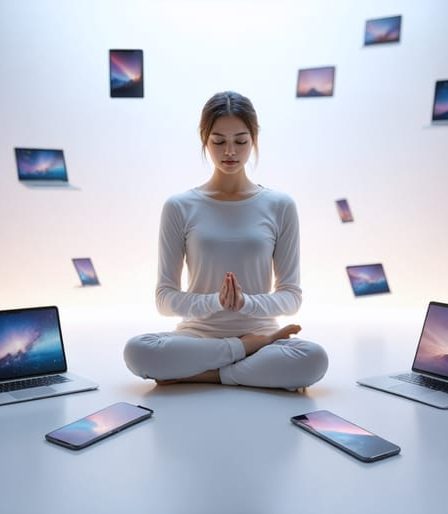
point(229, 144)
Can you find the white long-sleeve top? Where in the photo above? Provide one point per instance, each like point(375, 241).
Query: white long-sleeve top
point(256, 238)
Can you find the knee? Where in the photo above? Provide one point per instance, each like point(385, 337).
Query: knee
point(317, 360)
point(136, 354)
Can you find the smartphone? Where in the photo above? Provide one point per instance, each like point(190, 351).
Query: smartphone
point(99, 425)
point(351, 438)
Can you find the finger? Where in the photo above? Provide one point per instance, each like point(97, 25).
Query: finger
point(230, 292)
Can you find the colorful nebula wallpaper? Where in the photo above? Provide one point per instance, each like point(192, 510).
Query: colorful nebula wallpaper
point(432, 353)
point(440, 110)
point(382, 30)
point(39, 164)
point(368, 279)
point(86, 272)
point(345, 214)
point(126, 73)
point(312, 82)
point(30, 343)
point(99, 423)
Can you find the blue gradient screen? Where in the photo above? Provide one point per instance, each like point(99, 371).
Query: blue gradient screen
point(30, 343)
point(100, 423)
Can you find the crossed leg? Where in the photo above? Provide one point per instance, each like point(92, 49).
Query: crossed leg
point(251, 342)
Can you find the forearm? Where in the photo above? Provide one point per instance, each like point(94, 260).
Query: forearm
point(278, 303)
point(172, 302)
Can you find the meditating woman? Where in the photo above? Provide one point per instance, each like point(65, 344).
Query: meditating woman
point(240, 243)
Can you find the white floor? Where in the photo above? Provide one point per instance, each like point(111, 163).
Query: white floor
point(218, 449)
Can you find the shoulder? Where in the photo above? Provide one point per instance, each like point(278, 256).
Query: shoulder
point(181, 202)
point(279, 199)
point(181, 199)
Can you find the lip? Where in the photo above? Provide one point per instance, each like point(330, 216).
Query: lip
point(230, 162)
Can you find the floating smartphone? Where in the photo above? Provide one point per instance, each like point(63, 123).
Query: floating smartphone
point(352, 439)
point(99, 425)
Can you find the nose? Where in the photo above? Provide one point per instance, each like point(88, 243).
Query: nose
point(230, 149)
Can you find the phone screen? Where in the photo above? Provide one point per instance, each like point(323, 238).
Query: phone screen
point(347, 436)
point(98, 425)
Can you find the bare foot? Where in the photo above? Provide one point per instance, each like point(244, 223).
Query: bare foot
point(252, 342)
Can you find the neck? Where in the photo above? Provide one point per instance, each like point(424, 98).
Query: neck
point(230, 184)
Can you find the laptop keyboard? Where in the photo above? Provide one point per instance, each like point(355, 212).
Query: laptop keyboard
point(32, 382)
point(430, 383)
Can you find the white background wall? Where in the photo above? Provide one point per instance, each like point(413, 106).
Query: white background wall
point(372, 142)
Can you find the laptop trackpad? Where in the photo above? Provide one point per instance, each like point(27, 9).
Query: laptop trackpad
point(33, 392)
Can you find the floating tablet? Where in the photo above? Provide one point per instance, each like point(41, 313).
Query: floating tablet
point(86, 272)
point(440, 108)
point(312, 82)
point(368, 279)
point(126, 73)
point(344, 211)
point(382, 30)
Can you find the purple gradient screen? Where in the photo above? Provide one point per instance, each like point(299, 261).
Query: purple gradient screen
point(432, 353)
point(99, 423)
point(344, 211)
point(86, 271)
point(343, 432)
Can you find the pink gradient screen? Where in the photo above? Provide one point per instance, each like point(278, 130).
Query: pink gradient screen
point(432, 352)
point(99, 423)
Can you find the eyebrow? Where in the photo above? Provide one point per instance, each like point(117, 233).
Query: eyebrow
point(223, 135)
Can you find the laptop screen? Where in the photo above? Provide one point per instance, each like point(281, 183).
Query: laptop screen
point(432, 351)
point(30, 343)
point(39, 164)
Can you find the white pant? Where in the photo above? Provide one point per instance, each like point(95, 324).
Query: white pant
point(286, 363)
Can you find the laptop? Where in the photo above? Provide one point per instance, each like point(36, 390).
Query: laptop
point(428, 381)
point(32, 357)
point(39, 167)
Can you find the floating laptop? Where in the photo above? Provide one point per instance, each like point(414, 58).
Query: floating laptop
point(32, 357)
point(86, 272)
point(42, 168)
point(428, 381)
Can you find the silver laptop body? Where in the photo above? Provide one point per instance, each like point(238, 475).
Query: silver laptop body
point(428, 381)
point(32, 357)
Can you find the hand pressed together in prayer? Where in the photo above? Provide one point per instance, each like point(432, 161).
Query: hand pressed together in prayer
point(231, 293)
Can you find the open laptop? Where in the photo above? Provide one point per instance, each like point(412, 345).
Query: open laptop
point(428, 380)
point(32, 357)
point(39, 167)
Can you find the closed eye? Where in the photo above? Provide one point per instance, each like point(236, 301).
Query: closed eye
point(222, 142)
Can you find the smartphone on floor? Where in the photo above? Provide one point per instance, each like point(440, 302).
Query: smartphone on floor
point(99, 425)
point(345, 435)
